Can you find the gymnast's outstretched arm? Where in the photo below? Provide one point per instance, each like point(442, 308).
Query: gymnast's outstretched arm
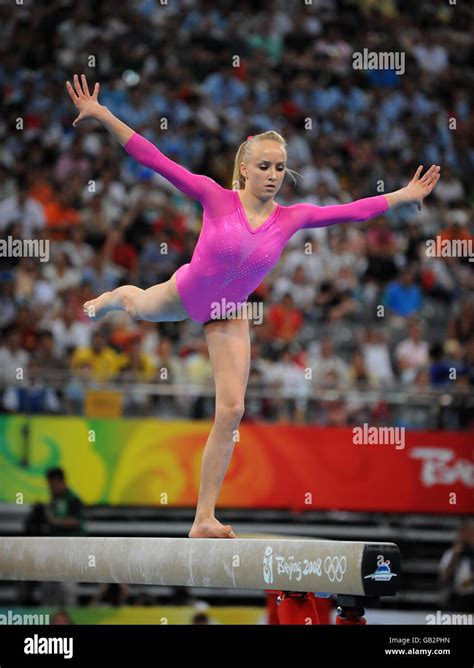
point(197, 186)
point(309, 215)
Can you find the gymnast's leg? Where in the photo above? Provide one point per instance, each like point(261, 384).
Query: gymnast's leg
point(229, 353)
point(157, 304)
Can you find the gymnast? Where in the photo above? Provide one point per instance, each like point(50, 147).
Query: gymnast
point(243, 234)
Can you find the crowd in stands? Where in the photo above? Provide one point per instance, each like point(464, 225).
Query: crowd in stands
point(364, 306)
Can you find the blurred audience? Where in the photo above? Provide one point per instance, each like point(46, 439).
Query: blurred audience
point(111, 221)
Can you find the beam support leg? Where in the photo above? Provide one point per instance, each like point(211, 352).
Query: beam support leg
point(297, 608)
point(351, 609)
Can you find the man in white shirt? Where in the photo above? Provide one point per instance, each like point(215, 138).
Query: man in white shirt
point(68, 332)
point(376, 356)
point(13, 359)
point(412, 354)
point(329, 370)
point(26, 211)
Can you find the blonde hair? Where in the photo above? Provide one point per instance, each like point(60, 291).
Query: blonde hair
point(244, 152)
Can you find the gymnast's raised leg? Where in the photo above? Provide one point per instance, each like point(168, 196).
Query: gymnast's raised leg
point(160, 303)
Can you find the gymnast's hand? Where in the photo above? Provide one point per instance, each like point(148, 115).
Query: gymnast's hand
point(86, 103)
point(418, 188)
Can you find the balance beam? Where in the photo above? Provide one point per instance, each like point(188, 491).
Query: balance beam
point(306, 565)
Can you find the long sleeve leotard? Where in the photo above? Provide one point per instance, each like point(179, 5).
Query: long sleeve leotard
point(231, 258)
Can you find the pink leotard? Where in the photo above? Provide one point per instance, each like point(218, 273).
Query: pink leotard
point(231, 258)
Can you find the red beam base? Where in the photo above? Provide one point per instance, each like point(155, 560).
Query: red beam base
point(297, 608)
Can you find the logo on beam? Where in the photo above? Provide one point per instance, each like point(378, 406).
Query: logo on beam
point(382, 573)
point(333, 566)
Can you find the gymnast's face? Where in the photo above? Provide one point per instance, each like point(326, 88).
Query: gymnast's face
point(264, 167)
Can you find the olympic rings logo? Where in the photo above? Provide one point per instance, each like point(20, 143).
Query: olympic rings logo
point(335, 567)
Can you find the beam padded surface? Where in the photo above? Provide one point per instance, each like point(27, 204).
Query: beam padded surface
point(342, 567)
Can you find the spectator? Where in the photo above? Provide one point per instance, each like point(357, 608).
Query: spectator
point(121, 252)
point(73, 162)
point(312, 257)
point(169, 367)
point(288, 378)
point(341, 255)
point(335, 298)
point(198, 374)
point(403, 296)
point(381, 250)
point(65, 511)
point(103, 360)
point(360, 376)
point(60, 273)
point(27, 324)
point(461, 325)
point(62, 215)
point(78, 252)
point(113, 193)
point(301, 289)
point(452, 189)
point(457, 226)
point(448, 363)
point(32, 396)
point(432, 55)
point(197, 367)
point(437, 278)
point(76, 387)
point(8, 185)
point(456, 571)
point(411, 354)
point(454, 352)
point(223, 88)
point(200, 619)
point(284, 320)
point(97, 220)
point(68, 332)
point(376, 356)
point(138, 367)
point(439, 366)
point(101, 274)
point(60, 618)
point(30, 287)
point(7, 302)
point(329, 370)
point(50, 364)
point(59, 213)
point(113, 593)
point(76, 299)
point(13, 359)
point(64, 515)
point(23, 209)
point(157, 258)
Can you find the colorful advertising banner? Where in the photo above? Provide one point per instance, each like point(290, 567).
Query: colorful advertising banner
point(157, 462)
